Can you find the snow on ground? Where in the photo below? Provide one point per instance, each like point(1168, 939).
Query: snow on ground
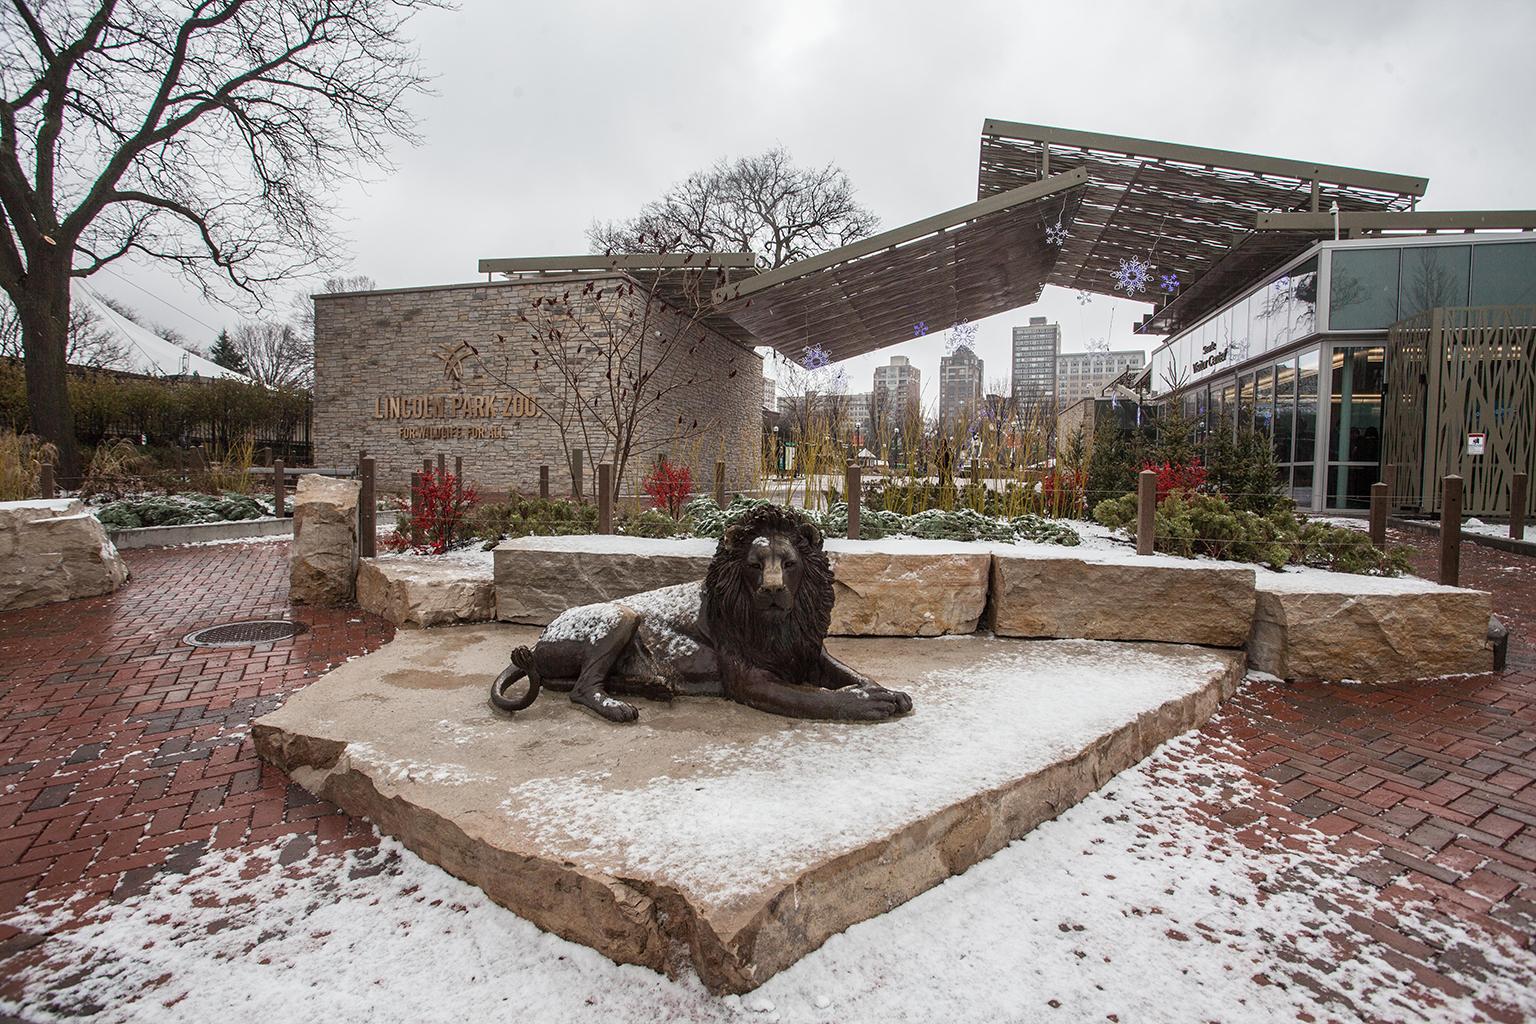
point(42, 504)
point(1131, 907)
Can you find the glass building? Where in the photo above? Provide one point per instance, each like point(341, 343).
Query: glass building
point(1301, 355)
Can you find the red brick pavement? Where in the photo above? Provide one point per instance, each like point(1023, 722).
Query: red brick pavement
point(124, 753)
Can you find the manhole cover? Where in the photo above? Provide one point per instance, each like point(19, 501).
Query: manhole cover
point(243, 634)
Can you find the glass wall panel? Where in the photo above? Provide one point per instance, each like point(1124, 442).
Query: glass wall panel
point(1285, 409)
point(1228, 410)
point(1433, 275)
point(1301, 484)
point(1362, 289)
point(1354, 418)
point(1267, 312)
point(1304, 299)
point(1306, 408)
point(1504, 275)
point(1264, 400)
point(1245, 401)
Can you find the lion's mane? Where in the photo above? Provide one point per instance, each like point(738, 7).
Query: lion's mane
point(790, 646)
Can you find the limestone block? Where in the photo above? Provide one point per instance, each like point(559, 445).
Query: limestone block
point(891, 594)
point(1177, 601)
point(54, 550)
point(423, 592)
point(323, 564)
point(1324, 629)
point(537, 578)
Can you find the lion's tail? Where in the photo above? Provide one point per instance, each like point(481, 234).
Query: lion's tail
point(522, 665)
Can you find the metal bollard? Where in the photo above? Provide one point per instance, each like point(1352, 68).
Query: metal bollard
point(368, 511)
point(1379, 515)
point(1450, 531)
point(854, 487)
point(1517, 498)
point(1146, 511)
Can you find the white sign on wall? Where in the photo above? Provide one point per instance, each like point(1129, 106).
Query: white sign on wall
point(1476, 443)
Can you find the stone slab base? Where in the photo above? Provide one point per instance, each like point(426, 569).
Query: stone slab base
point(422, 592)
point(1155, 598)
point(711, 837)
point(1413, 630)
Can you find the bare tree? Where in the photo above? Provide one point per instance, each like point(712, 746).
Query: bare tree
point(207, 133)
point(760, 204)
point(620, 361)
point(275, 354)
point(304, 303)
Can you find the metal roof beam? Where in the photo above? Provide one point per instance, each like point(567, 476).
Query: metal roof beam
point(1201, 156)
point(1422, 220)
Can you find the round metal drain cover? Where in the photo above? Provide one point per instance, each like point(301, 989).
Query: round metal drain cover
point(243, 634)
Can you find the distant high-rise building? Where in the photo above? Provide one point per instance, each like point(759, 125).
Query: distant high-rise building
point(899, 387)
point(960, 377)
point(1082, 375)
point(770, 394)
point(861, 420)
point(1035, 348)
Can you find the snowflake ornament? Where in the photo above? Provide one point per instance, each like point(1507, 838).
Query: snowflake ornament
point(1133, 276)
point(815, 358)
point(1084, 297)
point(1055, 234)
point(1099, 345)
point(963, 334)
point(1169, 283)
point(920, 328)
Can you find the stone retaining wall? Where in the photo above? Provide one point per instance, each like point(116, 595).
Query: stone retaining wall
point(1311, 625)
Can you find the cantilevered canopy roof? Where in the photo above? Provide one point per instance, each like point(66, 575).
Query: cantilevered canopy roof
point(974, 261)
point(1181, 208)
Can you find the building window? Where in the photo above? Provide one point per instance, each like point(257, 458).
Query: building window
point(1434, 275)
point(1285, 410)
point(1362, 289)
point(1354, 421)
point(1504, 275)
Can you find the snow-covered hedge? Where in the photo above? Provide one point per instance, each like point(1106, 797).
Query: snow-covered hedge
point(179, 510)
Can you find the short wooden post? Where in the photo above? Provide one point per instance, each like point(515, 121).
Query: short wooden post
point(576, 475)
point(1379, 514)
point(367, 511)
point(1146, 511)
point(1517, 498)
point(605, 497)
point(1450, 531)
point(854, 485)
point(279, 489)
point(442, 467)
point(45, 483)
point(416, 479)
point(720, 482)
point(458, 477)
point(544, 482)
point(426, 468)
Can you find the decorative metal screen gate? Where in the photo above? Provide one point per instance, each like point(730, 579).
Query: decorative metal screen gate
point(1453, 372)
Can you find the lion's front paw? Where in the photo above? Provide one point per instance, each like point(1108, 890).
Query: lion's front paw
point(607, 707)
point(870, 703)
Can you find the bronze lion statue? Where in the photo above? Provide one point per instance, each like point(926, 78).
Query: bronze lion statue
point(751, 631)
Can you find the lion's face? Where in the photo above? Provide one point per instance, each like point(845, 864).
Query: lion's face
point(774, 572)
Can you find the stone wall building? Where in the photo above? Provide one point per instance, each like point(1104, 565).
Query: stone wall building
point(407, 373)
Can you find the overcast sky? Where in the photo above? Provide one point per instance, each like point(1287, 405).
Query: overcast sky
point(546, 116)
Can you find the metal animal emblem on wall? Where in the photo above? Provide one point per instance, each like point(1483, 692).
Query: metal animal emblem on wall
point(751, 631)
